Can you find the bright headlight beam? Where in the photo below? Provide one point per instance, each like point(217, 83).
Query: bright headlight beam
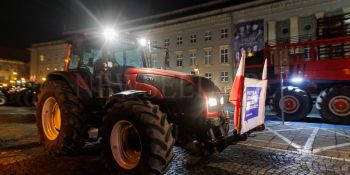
point(212, 102)
point(297, 80)
point(109, 33)
point(222, 100)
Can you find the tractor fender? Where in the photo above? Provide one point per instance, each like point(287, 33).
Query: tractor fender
point(121, 96)
point(78, 82)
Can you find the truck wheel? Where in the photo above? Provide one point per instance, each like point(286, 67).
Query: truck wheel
point(297, 104)
point(136, 138)
point(3, 99)
point(334, 104)
point(60, 119)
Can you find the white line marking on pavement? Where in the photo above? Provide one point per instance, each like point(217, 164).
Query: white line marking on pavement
point(308, 144)
point(330, 147)
point(260, 132)
point(296, 146)
point(336, 132)
point(295, 152)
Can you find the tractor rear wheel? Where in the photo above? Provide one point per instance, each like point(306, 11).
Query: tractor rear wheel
point(334, 104)
point(296, 103)
point(136, 138)
point(60, 119)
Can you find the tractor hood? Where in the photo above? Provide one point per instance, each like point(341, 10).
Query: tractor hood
point(145, 75)
point(185, 93)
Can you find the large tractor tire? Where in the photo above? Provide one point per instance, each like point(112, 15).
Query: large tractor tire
point(60, 119)
point(297, 104)
point(136, 138)
point(334, 104)
point(3, 99)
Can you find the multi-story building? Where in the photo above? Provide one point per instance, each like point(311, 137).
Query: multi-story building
point(46, 57)
point(13, 65)
point(207, 39)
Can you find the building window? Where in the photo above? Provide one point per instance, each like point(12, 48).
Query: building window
point(41, 57)
point(153, 43)
point(207, 57)
point(166, 42)
point(224, 33)
point(193, 38)
point(179, 40)
point(7, 68)
point(207, 36)
point(207, 75)
point(193, 60)
point(224, 55)
point(224, 76)
point(179, 61)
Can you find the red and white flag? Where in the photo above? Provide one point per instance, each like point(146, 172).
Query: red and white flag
point(248, 95)
point(236, 93)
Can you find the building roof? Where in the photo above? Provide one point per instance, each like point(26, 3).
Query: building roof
point(211, 8)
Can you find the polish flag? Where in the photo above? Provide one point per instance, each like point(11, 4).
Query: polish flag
point(236, 93)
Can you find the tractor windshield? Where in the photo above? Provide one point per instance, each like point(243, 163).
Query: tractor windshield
point(90, 53)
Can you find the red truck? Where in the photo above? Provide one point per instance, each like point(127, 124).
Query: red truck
point(316, 70)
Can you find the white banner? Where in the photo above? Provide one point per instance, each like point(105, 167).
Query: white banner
point(253, 104)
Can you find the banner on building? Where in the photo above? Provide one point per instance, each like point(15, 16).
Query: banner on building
point(248, 36)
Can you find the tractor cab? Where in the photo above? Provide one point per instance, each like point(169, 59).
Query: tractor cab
point(105, 62)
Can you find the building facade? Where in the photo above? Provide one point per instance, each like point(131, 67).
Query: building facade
point(210, 43)
point(45, 58)
point(13, 65)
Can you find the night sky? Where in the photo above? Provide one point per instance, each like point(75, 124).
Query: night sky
point(28, 21)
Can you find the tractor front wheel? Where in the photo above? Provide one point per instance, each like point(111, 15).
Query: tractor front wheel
point(296, 103)
point(136, 138)
point(334, 104)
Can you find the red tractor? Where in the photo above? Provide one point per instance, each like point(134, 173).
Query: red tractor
point(140, 112)
point(315, 71)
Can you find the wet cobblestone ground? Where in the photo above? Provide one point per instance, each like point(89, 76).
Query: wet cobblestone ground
point(262, 153)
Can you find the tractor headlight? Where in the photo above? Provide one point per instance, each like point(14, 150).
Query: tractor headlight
point(221, 100)
point(297, 80)
point(212, 102)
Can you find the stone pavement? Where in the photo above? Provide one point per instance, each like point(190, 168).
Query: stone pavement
point(299, 137)
point(17, 114)
point(293, 148)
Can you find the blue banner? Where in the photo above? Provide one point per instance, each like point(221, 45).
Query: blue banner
point(252, 102)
